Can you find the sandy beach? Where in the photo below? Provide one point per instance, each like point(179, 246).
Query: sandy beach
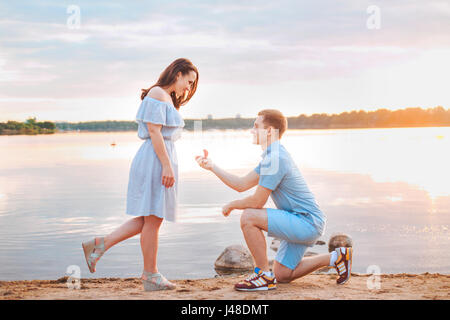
point(312, 287)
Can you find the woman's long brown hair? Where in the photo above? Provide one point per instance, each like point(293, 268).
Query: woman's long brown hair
point(168, 77)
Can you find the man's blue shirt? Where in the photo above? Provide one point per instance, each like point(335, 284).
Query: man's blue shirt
point(279, 173)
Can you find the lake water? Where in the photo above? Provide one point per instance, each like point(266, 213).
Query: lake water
point(388, 188)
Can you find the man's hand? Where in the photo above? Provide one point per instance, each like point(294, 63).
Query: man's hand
point(204, 162)
point(226, 210)
point(255, 201)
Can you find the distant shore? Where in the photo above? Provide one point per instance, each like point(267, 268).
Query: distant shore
point(381, 118)
point(13, 132)
point(315, 286)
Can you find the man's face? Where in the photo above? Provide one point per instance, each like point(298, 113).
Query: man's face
point(259, 132)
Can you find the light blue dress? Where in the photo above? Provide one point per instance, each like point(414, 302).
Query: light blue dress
point(146, 194)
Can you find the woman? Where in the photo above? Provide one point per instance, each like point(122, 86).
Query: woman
point(153, 179)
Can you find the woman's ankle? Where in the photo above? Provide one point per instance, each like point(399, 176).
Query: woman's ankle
point(149, 271)
point(107, 243)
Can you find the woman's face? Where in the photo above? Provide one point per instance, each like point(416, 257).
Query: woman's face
point(184, 83)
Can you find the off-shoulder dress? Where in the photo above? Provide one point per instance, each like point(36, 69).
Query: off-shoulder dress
point(146, 195)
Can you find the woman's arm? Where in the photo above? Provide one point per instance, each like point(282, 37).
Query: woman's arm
point(168, 176)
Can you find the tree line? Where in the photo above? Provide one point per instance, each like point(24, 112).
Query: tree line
point(109, 125)
point(381, 118)
point(30, 126)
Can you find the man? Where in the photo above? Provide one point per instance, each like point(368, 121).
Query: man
point(297, 221)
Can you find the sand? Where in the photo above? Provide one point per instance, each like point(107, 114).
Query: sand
point(313, 286)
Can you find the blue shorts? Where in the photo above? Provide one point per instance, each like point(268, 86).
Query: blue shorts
point(297, 233)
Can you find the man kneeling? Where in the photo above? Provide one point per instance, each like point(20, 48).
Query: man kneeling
point(297, 221)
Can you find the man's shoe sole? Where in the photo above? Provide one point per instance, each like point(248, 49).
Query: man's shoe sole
point(256, 289)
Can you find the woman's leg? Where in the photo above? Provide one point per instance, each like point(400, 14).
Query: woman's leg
point(127, 230)
point(149, 242)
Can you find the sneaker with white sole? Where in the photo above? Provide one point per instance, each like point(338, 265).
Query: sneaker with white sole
point(258, 281)
point(343, 264)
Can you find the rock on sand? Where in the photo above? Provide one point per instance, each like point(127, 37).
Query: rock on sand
point(234, 258)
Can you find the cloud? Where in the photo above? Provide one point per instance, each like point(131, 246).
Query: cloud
point(121, 47)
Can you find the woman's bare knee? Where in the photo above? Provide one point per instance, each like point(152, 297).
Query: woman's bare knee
point(139, 220)
point(152, 221)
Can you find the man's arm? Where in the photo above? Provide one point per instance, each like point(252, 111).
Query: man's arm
point(255, 201)
point(237, 183)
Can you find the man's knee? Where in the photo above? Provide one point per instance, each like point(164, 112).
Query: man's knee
point(247, 218)
point(282, 277)
point(282, 273)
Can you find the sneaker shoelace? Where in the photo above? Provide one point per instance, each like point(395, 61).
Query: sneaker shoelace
point(253, 276)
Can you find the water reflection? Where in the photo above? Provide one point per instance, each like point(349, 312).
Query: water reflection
point(52, 196)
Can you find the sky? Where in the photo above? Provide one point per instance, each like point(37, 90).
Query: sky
point(88, 60)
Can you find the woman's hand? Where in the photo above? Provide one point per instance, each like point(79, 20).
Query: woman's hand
point(168, 177)
point(204, 162)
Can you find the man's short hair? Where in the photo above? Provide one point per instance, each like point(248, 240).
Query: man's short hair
point(274, 118)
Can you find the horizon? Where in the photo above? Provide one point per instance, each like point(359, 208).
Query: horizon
point(235, 117)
